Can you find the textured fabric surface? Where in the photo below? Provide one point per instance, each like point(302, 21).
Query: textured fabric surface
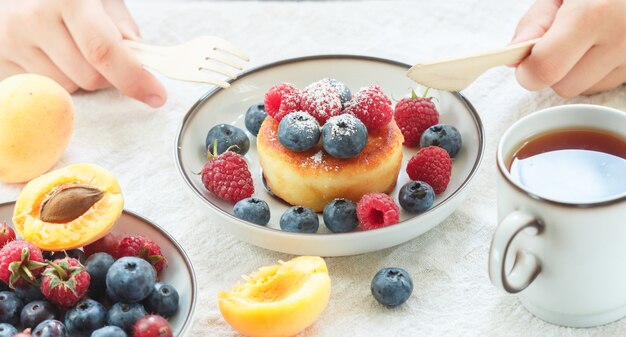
point(453, 295)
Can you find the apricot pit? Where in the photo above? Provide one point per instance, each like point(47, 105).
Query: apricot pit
point(68, 208)
point(68, 202)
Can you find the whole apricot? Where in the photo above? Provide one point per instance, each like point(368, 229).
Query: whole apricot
point(36, 122)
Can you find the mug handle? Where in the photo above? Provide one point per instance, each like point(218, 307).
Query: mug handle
point(526, 266)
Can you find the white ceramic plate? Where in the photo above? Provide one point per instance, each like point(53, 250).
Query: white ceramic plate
point(179, 272)
point(229, 106)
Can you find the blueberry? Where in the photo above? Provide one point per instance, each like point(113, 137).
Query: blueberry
point(227, 136)
point(109, 331)
point(36, 312)
point(74, 253)
point(7, 330)
point(97, 266)
point(87, 316)
point(50, 328)
point(392, 286)
point(131, 279)
point(111, 296)
point(344, 136)
point(10, 308)
point(340, 216)
point(28, 293)
point(416, 196)
point(125, 315)
point(344, 92)
point(254, 210)
point(300, 220)
point(299, 131)
point(163, 300)
point(442, 135)
point(254, 118)
point(4, 286)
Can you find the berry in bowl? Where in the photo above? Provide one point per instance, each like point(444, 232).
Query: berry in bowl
point(105, 268)
point(334, 165)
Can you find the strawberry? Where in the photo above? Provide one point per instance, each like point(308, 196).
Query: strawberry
point(414, 115)
point(432, 165)
point(227, 176)
point(20, 262)
point(65, 282)
point(7, 234)
point(282, 99)
point(107, 244)
point(372, 107)
point(141, 246)
point(152, 326)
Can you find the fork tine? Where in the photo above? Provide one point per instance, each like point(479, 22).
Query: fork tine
point(212, 67)
point(213, 80)
point(225, 46)
point(235, 52)
point(220, 58)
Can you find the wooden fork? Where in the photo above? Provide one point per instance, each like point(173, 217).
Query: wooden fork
point(205, 59)
point(456, 74)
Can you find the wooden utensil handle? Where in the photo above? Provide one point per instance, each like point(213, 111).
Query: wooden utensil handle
point(508, 55)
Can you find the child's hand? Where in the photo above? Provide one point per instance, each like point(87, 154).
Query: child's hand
point(78, 43)
point(583, 48)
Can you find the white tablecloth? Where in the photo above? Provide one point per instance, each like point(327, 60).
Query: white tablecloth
point(453, 295)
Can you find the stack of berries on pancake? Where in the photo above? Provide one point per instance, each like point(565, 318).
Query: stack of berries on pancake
point(322, 143)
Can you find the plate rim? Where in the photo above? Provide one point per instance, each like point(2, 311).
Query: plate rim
point(192, 273)
point(195, 108)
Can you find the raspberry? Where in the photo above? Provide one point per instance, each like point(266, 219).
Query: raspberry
point(321, 100)
point(372, 107)
point(414, 115)
point(282, 99)
point(376, 210)
point(144, 248)
point(432, 165)
point(227, 176)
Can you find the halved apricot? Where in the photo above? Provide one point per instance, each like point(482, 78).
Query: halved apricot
point(68, 208)
point(278, 300)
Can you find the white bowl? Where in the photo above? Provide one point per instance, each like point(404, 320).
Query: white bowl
point(229, 106)
point(179, 272)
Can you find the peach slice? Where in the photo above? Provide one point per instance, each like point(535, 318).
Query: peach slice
point(68, 208)
point(278, 300)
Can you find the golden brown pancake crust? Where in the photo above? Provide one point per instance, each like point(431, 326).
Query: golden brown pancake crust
point(376, 150)
point(314, 178)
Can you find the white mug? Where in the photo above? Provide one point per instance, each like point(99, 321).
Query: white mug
point(567, 261)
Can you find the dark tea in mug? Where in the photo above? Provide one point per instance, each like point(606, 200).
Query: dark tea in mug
point(572, 165)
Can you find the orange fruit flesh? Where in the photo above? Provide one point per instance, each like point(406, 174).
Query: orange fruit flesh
point(89, 227)
point(279, 300)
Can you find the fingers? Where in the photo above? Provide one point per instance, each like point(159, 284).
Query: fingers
point(122, 19)
point(101, 44)
point(556, 53)
point(36, 62)
point(596, 64)
point(8, 69)
point(58, 45)
point(537, 20)
point(616, 78)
